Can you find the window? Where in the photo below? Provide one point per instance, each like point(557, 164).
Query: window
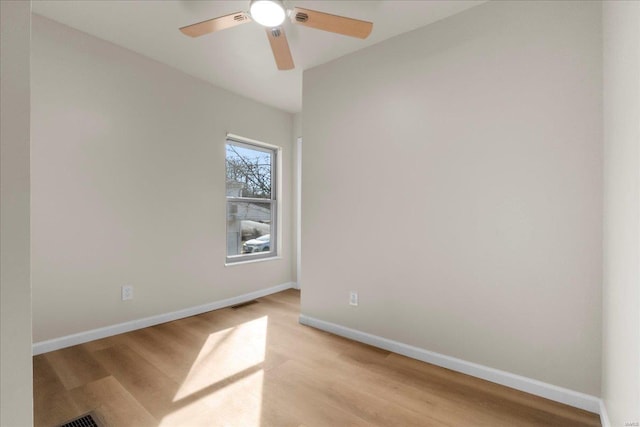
point(251, 169)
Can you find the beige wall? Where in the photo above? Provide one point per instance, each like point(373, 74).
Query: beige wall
point(15, 298)
point(621, 314)
point(128, 185)
point(453, 177)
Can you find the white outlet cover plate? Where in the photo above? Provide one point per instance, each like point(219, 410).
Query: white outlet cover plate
point(353, 298)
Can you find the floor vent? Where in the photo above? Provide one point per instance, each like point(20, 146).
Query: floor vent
point(86, 420)
point(244, 304)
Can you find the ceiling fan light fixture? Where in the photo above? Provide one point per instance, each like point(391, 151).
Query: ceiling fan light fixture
point(269, 13)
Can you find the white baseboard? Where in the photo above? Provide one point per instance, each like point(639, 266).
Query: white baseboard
point(107, 331)
point(604, 417)
point(528, 385)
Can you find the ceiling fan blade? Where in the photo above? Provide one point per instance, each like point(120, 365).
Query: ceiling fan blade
point(216, 24)
point(280, 48)
point(333, 23)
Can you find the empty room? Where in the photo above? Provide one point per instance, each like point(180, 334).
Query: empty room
point(320, 213)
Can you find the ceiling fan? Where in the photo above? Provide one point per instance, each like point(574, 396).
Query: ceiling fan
point(271, 14)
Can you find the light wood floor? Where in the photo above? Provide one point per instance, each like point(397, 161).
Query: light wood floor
point(256, 366)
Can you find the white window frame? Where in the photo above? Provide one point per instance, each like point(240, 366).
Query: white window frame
point(276, 217)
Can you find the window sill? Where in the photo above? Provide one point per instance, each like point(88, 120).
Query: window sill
point(251, 261)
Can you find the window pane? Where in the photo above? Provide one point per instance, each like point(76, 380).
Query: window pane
point(249, 227)
point(248, 172)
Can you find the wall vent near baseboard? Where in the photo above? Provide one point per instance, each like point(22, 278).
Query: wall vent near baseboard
point(87, 420)
point(244, 304)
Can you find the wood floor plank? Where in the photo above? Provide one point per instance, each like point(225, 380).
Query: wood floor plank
point(523, 404)
point(164, 355)
point(75, 366)
point(52, 403)
point(304, 406)
point(147, 384)
point(237, 401)
point(477, 401)
point(256, 366)
point(398, 391)
point(113, 403)
point(342, 392)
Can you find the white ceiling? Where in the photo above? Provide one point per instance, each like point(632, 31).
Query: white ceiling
point(239, 59)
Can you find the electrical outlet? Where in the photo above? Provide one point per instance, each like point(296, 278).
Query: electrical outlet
point(127, 292)
point(353, 298)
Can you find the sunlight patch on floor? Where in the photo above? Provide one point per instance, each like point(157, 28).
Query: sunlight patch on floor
point(238, 403)
point(225, 379)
